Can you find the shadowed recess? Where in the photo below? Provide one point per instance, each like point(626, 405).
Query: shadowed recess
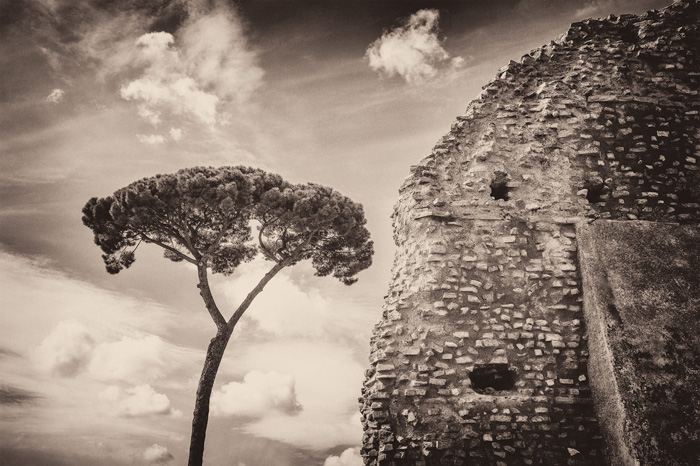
point(492, 376)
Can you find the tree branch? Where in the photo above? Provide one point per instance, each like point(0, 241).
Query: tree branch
point(188, 242)
point(165, 223)
point(262, 243)
point(299, 249)
point(254, 292)
point(208, 298)
point(169, 248)
point(219, 237)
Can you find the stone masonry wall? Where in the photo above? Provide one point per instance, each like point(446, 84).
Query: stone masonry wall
point(480, 357)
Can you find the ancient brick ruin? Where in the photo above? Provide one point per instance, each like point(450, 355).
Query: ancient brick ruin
point(529, 320)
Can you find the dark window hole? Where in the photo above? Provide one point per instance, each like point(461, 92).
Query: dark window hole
point(492, 377)
point(595, 191)
point(499, 186)
point(685, 196)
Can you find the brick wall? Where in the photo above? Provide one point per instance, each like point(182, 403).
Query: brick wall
point(601, 123)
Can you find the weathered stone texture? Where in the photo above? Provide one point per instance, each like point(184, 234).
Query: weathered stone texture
point(602, 123)
point(642, 291)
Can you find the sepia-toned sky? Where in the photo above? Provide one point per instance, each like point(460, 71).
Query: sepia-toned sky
point(102, 370)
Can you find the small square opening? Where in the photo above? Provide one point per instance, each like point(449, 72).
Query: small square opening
point(596, 189)
point(499, 186)
point(488, 378)
point(685, 196)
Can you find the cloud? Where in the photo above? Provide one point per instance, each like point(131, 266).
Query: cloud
point(70, 349)
point(66, 351)
point(50, 298)
point(165, 86)
point(141, 400)
point(412, 51)
point(350, 457)
point(217, 55)
point(157, 454)
point(208, 63)
point(47, 302)
point(257, 395)
point(595, 8)
point(295, 327)
point(130, 359)
point(283, 308)
point(313, 429)
point(15, 396)
point(327, 376)
point(56, 96)
point(294, 304)
point(151, 138)
point(4, 352)
point(176, 134)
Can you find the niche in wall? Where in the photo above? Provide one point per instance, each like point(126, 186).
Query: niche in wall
point(492, 377)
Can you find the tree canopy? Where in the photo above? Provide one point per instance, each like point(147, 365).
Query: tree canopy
point(204, 215)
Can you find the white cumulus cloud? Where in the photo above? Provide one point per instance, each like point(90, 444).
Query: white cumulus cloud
point(257, 395)
point(130, 359)
point(165, 86)
point(412, 51)
point(327, 376)
point(67, 350)
point(207, 65)
point(141, 400)
point(55, 96)
point(350, 457)
point(70, 349)
point(157, 454)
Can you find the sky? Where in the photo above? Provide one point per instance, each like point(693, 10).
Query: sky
point(99, 369)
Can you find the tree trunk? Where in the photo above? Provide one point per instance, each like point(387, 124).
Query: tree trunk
point(200, 419)
point(215, 354)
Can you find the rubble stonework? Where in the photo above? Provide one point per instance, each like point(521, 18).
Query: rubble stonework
point(481, 355)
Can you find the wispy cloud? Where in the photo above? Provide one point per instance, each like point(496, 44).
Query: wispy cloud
point(16, 396)
point(412, 50)
point(49, 298)
point(259, 394)
point(217, 54)
point(596, 8)
point(151, 138)
point(55, 96)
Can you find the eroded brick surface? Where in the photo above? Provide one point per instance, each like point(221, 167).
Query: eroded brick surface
point(601, 123)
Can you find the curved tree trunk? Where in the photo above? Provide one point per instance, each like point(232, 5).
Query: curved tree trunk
point(215, 353)
point(200, 419)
